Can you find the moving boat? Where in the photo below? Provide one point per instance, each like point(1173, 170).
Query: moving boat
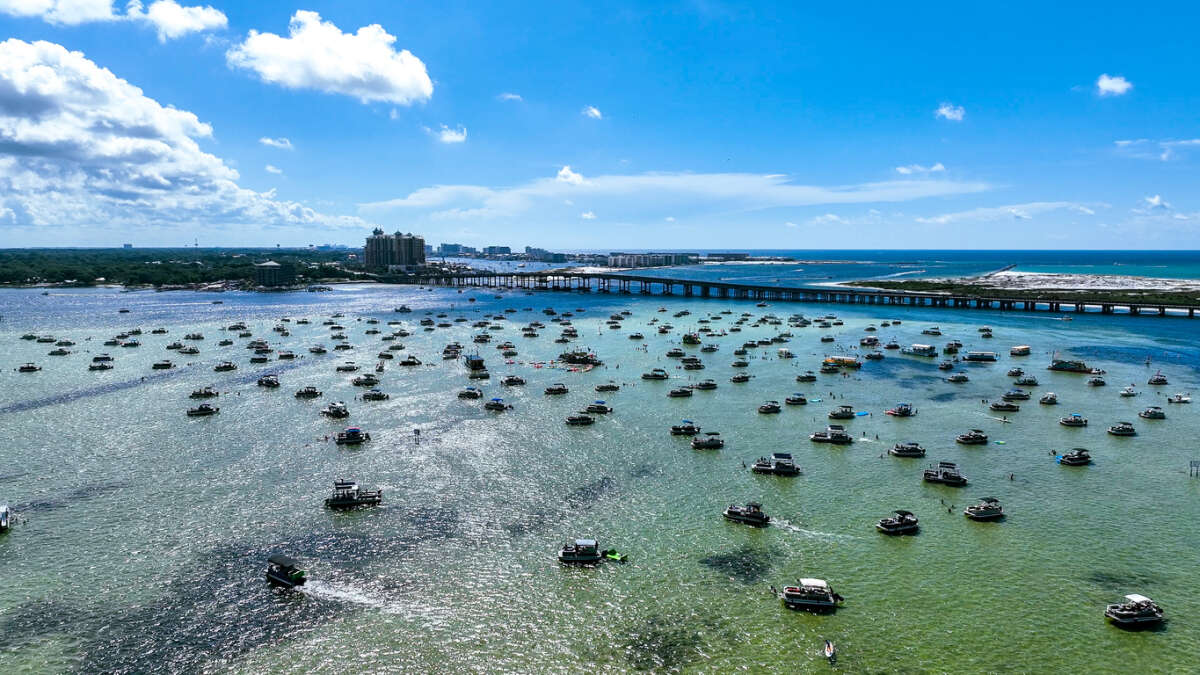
point(972, 437)
point(946, 473)
point(904, 522)
point(958, 378)
point(352, 436)
point(284, 572)
point(203, 410)
point(834, 433)
point(470, 393)
point(813, 595)
point(709, 441)
point(348, 495)
point(988, 508)
point(28, 368)
point(750, 514)
point(580, 420)
point(1153, 413)
point(269, 381)
point(1122, 429)
point(1136, 611)
point(599, 408)
point(1004, 406)
point(308, 392)
point(1075, 457)
point(779, 464)
point(902, 410)
point(907, 449)
point(1179, 398)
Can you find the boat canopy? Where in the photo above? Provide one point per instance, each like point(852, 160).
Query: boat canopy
point(586, 543)
point(282, 560)
point(901, 512)
point(1134, 597)
point(819, 583)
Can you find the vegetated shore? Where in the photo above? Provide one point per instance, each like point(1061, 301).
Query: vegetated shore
point(1091, 288)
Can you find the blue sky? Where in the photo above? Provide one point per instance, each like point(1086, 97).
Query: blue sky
point(600, 125)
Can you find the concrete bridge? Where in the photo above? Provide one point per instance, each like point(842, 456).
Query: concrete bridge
point(611, 282)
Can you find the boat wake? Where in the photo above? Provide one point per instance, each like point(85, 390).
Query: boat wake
point(783, 524)
point(327, 591)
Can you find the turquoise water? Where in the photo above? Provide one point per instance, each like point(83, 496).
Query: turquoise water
point(819, 267)
point(145, 532)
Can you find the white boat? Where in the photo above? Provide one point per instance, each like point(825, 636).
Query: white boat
point(810, 594)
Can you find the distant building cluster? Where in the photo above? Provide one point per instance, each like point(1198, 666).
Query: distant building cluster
point(406, 252)
point(651, 259)
point(394, 252)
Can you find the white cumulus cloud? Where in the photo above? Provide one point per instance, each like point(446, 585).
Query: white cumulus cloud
point(917, 169)
point(592, 112)
point(170, 19)
point(173, 20)
point(566, 175)
point(509, 96)
point(61, 12)
point(274, 169)
point(588, 215)
point(949, 111)
point(318, 55)
point(447, 135)
point(84, 149)
point(1156, 202)
point(281, 142)
point(1115, 85)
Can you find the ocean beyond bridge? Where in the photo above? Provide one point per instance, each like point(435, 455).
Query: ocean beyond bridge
point(616, 282)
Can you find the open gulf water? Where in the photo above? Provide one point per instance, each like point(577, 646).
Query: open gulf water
point(142, 534)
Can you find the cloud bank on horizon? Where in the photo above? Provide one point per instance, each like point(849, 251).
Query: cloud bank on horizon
point(348, 120)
